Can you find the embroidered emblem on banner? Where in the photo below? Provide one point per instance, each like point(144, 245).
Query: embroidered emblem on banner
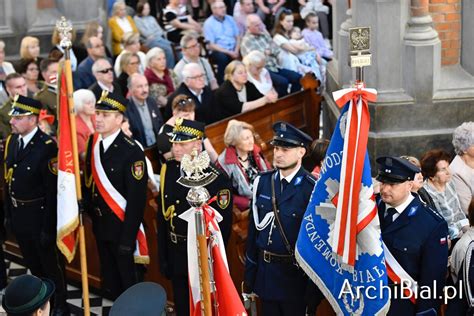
point(138, 169)
point(223, 198)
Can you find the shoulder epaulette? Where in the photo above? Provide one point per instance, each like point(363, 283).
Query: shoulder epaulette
point(434, 213)
point(129, 141)
point(48, 141)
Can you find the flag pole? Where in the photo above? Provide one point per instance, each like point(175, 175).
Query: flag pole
point(65, 28)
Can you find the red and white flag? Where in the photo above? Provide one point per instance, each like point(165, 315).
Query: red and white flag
point(223, 295)
point(68, 210)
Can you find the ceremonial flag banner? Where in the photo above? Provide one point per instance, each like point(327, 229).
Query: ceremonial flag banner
point(339, 245)
point(224, 294)
point(68, 210)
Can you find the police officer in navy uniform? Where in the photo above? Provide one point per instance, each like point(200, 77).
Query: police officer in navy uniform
point(415, 235)
point(172, 231)
point(30, 163)
point(270, 268)
point(124, 164)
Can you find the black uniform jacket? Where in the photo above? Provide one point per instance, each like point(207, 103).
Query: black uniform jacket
point(124, 164)
point(173, 256)
point(31, 185)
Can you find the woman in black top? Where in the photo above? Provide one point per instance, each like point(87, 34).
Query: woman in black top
point(237, 94)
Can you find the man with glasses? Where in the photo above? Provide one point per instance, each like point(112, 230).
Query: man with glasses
point(191, 54)
point(194, 86)
point(95, 50)
point(223, 35)
point(104, 74)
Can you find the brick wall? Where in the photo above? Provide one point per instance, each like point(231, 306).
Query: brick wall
point(446, 16)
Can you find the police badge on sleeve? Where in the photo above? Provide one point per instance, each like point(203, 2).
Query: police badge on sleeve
point(138, 169)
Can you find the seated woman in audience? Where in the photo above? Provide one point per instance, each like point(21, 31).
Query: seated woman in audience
point(242, 160)
point(120, 23)
point(292, 57)
point(161, 80)
point(30, 71)
point(183, 107)
point(56, 40)
point(176, 19)
point(30, 49)
point(151, 32)
point(84, 105)
point(317, 155)
point(257, 73)
point(237, 94)
point(462, 166)
point(93, 29)
point(6, 68)
point(418, 184)
point(131, 43)
point(435, 168)
point(129, 64)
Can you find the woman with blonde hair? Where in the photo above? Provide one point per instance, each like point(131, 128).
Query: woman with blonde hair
point(29, 49)
point(237, 94)
point(129, 64)
point(120, 23)
point(131, 42)
point(242, 160)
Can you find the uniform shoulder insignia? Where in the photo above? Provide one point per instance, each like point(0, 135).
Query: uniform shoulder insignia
point(434, 213)
point(53, 165)
point(310, 178)
point(138, 169)
point(129, 141)
point(48, 141)
point(223, 198)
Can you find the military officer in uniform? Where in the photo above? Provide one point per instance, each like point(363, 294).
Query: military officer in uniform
point(172, 231)
point(30, 195)
point(414, 234)
point(116, 178)
point(279, 202)
point(48, 94)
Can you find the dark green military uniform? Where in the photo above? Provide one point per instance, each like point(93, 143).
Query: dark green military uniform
point(124, 165)
point(31, 197)
point(172, 230)
point(5, 128)
point(48, 96)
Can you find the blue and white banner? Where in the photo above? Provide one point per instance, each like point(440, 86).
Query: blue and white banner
point(339, 245)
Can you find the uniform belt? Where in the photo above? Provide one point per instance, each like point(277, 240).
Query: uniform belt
point(269, 257)
point(16, 202)
point(176, 238)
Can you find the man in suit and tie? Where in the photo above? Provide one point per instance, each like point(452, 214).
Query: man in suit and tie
point(30, 196)
point(143, 113)
point(194, 86)
point(415, 235)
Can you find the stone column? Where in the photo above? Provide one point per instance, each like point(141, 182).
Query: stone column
point(45, 17)
point(467, 36)
point(344, 70)
point(422, 53)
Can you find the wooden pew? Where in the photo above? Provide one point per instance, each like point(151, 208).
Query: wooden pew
point(301, 109)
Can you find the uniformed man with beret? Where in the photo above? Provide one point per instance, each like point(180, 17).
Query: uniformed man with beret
point(116, 178)
point(172, 231)
point(30, 195)
point(414, 234)
point(279, 202)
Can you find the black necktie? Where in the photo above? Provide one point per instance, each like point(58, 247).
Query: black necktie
point(20, 145)
point(101, 148)
point(389, 217)
point(284, 184)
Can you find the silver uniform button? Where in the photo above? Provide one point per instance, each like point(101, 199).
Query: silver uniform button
point(28, 168)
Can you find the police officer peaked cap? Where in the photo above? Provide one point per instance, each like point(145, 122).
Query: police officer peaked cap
point(286, 135)
point(26, 293)
point(396, 170)
point(111, 102)
point(25, 106)
point(186, 131)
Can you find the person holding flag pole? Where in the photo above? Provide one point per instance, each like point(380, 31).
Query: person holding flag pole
point(69, 199)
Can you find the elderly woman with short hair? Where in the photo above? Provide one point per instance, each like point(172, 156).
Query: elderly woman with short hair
point(257, 73)
point(131, 42)
point(6, 68)
point(435, 168)
point(162, 81)
point(462, 166)
point(242, 160)
point(84, 105)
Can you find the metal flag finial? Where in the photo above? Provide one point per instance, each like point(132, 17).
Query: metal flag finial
point(64, 28)
point(359, 43)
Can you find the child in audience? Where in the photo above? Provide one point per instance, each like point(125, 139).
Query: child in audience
point(312, 36)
